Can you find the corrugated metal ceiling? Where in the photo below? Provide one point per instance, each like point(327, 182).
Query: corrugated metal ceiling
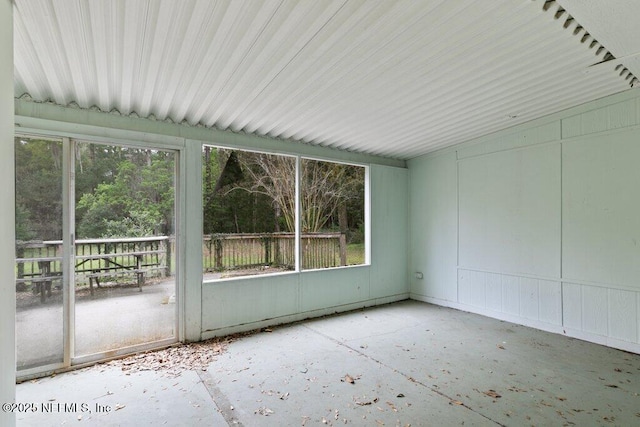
point(393, 78)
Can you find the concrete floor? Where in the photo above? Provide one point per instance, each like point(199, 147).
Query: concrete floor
point(112, 318)
point(411, 364)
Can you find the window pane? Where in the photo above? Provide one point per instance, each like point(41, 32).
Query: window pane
point(249, 213)
point(332, 214)
point(39, 296)
point(124, 252)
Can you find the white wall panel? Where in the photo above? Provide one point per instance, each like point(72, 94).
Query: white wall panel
point(549, 234)
point(595, 121)
point(601, 209)
point(535, 135)
point(320, 289)
point(623, 314)
point(241, 301)
point(550, 297)
point(478, 289)
point(615, 116)
point(594, 310)
point(529, 298)
point(493, 287)
point(638, 317)
point(433, 210)
point(465, 284)
point(602, 311)
point(510, 211)
point(510, 295)
point(524, 298)
point(572, 305)
point(389, 231)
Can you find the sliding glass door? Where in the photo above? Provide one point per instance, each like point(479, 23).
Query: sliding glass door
point(125, 288)
point(95, 251)
point(39, 256)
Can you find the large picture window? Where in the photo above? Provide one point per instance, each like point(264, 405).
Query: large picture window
point(251, 213)
point(332, 212)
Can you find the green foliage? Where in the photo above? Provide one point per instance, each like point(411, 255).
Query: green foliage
point(136, 224)
point(229, 208)
point(137, 202)
point(127, 192)
point(24, 227)
point(38, 171)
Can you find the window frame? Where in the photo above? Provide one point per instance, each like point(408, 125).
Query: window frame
point(298, 232)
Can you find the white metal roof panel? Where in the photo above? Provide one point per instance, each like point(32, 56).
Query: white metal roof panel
point(393, 78)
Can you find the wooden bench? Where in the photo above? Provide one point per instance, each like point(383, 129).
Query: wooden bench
point(139, 273)
point(43, 280)
point(95, 259)
point(112, 268)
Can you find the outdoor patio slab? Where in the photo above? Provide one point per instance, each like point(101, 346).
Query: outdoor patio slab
point(408, 363)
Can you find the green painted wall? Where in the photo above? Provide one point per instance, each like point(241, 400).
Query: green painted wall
point(225, 306)
point(538, 224)
point(243, 304)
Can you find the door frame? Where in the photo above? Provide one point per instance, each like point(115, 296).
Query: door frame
point(69, 140)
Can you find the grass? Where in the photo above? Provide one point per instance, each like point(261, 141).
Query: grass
point(355, 254)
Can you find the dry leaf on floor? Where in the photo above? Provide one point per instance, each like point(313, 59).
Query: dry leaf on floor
point(263, 411)
point(367, 402)
point(456, 402)
point(500, 346)
point(173, 360)
point(492, 393)
point(348, 379)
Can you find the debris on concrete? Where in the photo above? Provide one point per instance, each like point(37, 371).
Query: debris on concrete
point(172, 361)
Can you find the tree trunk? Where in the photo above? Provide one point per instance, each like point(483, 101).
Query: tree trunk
point(343, 222)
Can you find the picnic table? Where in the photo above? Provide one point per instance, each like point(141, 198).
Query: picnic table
point(113, 266)
point(40, 262)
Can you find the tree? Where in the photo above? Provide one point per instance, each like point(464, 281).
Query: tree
point(38, 172)
point(137, 202)
point(325, 188)
point(228, 209)
point(272, 176)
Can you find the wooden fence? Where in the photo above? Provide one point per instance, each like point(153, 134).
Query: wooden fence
point(40, 262)
point(238, 251)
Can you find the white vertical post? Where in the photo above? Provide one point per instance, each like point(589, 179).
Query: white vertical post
point(68, 247)
point(367, 214)
point(298, 225)
point(7, 217)
point(189, 239)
